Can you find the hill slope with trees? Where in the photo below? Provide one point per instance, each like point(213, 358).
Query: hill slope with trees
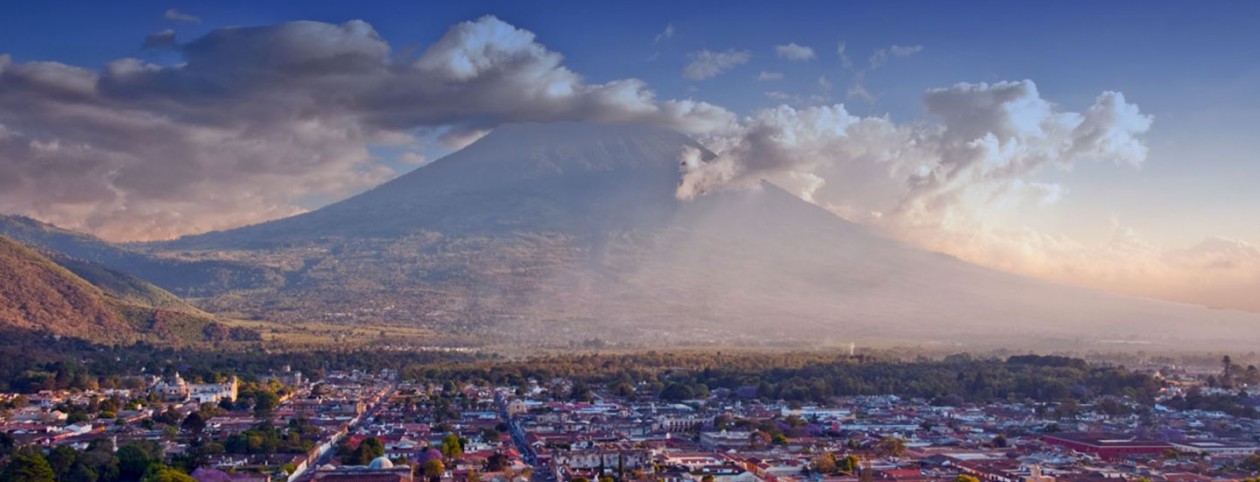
point(40, 295)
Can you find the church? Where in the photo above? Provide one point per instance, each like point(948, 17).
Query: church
point(175, 389)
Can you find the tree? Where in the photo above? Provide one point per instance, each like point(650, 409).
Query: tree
point(194, 423)
point(758, 438)
point(450, 447)
point(166, 474)
point(265, 402)
point(62, 459)
point(134, 459)
point(849, 464)
point(1000, 441)
point(825, 464)
point(433, 469)
point(580, 392)
point(28, 467)
point(891, 447)
point(372, 447)
point(81, 473)
point(966, 478)
point(490, 435)
point(496, 462)
point(99, 460)
point(676, 392)
point(1068, 409)
point(7, 444)
point(367, 451)
point(1251, 463)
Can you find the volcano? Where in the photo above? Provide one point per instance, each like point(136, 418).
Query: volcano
point(544, 234)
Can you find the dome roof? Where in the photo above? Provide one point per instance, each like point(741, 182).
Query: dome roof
point(381, 462)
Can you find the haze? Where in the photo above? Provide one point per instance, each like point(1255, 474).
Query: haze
point(1100, 146)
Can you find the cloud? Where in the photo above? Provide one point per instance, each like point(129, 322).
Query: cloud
point(794, 52)
point(979, 145)
point(844, 56)
point(881, 56)
point(780, 96)
point(782, 142)
point(857, 88)
point(978, 154)
point(160, 40)
point(256, 119)
point(413, 158)
point(174, 15)
point(992, 134)
point(665, 34)
point(707, 64)
point(1221, 254)
point(769, 76)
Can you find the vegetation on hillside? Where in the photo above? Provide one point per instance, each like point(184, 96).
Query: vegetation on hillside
point(189, 278)
point(42, 296)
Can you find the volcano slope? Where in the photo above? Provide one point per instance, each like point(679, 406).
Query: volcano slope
point(545, 234)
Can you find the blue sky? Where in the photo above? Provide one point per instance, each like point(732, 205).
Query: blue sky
point(1193, 66)
point(1174, 53)
point(1190, 64)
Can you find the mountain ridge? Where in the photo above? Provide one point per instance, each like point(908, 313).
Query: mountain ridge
point(187, 278)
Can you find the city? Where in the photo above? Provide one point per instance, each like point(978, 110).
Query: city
point(378, 426)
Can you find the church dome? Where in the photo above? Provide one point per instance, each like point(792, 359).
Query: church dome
point(381, 463)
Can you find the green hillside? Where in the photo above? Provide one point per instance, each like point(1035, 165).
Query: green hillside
point(81, 300)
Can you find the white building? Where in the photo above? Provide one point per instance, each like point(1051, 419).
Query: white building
point(1217, 448)
point(176, 389)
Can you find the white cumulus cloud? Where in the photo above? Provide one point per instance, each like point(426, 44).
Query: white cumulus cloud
point(978, 144)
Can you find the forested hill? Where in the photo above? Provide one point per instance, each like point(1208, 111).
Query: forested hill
point(187, 278)
point(41, 296)
point(37, 294)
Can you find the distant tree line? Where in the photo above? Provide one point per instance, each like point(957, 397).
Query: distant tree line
point(810, 377)
point(30, 363)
